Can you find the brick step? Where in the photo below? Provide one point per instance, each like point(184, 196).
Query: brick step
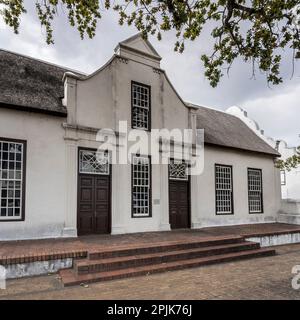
point(69, 277)
point(109, 264)
point(131, 250)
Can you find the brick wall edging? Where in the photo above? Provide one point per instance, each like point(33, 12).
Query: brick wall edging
point(41, 256)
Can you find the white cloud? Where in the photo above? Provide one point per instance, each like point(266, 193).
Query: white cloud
point(278, 114)
point(28, 42)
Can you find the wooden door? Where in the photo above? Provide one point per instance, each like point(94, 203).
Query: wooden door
point(102, 204)
point(179, 204)
point(179, 194)
point(93, 204)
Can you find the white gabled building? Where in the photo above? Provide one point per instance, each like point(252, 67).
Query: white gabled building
point(51, 184)
point(290, 180)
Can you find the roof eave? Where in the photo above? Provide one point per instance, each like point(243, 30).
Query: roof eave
point(56, 113)
point(72, 75)
point(274, 155)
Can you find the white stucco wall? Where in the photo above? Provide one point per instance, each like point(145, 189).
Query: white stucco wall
point(202, 194)
point(104, 99)
point(291, 188)
point(45, 174)
point(122, 221)
point(240, 161)
point(94, 105)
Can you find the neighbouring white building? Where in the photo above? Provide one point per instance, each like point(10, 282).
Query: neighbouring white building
point(290, 180)
point(52, 186)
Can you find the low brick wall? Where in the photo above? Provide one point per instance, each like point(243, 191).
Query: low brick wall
point(29, 269)
point(39, 263)
point(276, 239)
point(290, 206)
point(41, 256)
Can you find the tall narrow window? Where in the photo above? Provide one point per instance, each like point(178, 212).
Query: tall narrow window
point(12, 180)
point(224, 191)
point(255, 192)
point(141, 104)
point(141, 186)
point(283, 177)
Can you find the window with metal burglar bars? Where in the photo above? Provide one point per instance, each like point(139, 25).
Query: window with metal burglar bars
point(141, 186)
point(255, 190)
point(140, 106)
point(11, 180)
point(224, 195)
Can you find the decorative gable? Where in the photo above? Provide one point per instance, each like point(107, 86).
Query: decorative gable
point(136, 47)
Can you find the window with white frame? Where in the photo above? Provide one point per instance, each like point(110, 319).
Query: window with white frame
point(283, 177)
point(94, 162)
point(11, 180)
point(224, 191)
point(141, 186)
point(255, 191)
point(178, 170)
point(140, 106)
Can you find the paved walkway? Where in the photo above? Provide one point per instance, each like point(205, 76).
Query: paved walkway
point(263, 278)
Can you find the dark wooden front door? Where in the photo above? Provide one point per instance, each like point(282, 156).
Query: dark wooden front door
point(93, 204)
point(179, 204)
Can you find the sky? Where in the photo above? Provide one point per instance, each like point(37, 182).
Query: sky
point(276, 108)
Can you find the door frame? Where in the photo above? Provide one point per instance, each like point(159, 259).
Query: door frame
point(110, 190)
point(189, 196)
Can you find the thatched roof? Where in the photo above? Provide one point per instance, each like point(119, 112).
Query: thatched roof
point(223, 129)
point(30, 84)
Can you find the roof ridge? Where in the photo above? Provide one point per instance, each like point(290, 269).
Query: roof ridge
point(221, 111)
point(43, 61)
point(206, 107)
point(227, 130)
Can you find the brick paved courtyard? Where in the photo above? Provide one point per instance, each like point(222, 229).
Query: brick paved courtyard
point(263, 278)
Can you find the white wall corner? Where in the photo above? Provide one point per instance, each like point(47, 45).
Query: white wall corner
point(69, 100)
point(196, 225)
point(117, 230)
point(164, 227)
point(68, 232)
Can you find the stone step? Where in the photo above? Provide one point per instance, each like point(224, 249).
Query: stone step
point(146, 248)
point(69, 277)
point(109, 264)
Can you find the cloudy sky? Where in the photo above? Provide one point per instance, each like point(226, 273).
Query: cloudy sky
point(276, 109)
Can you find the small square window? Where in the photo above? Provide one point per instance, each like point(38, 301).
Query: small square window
point(178, 170)
point(94, 162)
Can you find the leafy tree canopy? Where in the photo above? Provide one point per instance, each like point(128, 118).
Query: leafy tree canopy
point(258, 31)
point(290, 163)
